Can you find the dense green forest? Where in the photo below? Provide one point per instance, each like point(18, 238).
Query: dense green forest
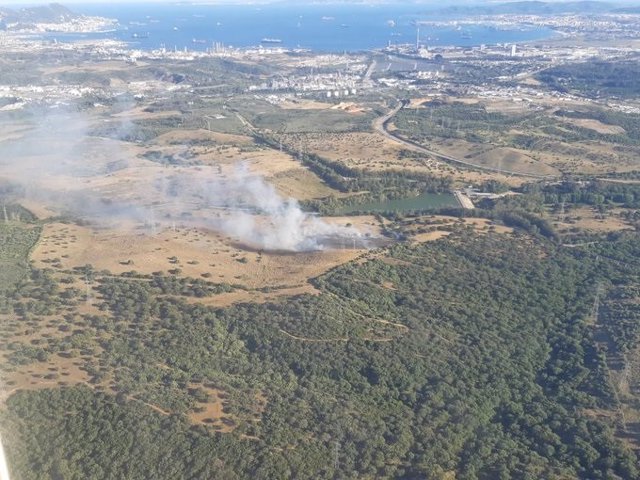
point(594, 78)
point(474, 354)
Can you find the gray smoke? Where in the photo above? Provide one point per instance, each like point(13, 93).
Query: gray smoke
point(58, 164)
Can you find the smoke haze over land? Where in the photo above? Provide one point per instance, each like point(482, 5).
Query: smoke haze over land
point(58, 164)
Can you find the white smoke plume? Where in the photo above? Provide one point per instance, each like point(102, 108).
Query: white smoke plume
point(262, 217)
point(59, 165)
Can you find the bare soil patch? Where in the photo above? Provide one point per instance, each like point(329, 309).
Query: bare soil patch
point(349, 107)
point(58, 371)
point(304, 104)
point(213, 412)
point(595, 125)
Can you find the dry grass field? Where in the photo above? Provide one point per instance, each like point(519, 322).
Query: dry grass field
point(198, 253)
point(595, 125)
point(224, 152)
point(510, 159)
point(428, 228)
point(374, 152)
point(56, 372)
point(557, 143)
point(588, 219)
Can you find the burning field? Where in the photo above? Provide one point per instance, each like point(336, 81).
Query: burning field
point(112, 207)
point(109, 183)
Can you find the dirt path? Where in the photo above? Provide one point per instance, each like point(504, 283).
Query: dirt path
point(394, 324)
point(150, 405)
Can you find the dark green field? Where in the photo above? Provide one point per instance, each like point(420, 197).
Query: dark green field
point(473, 355)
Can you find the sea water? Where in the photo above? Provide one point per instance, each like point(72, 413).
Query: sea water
point(321, 28)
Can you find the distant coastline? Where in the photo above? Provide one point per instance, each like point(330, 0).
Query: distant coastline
point(149, 26)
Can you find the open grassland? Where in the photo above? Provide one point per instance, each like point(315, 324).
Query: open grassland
point(373, 152)
point(595, 125)
point(264, 115)
point(195, 252)
point(115, 160)
point(426, 228)
point(591, 220)
point(226, 152)
point(542, 138)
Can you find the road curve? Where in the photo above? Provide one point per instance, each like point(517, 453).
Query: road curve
point(380, 124)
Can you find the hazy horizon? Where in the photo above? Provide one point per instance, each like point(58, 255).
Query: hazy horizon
point(29, 3)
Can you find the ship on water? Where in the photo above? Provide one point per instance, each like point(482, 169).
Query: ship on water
point(270, 40)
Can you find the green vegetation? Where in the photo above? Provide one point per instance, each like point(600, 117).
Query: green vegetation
point(264, 115)
point(629, 122)
point(472, 355)
point(620, 312)
point(594, 193)
point(475, 124)
point(369, 186)
point(477, 356)
point(595, 78)
point(17, 240)
point(456, 120)
point(132, 441)
point(569, 139)
point(394, 183)
point(423, 202)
